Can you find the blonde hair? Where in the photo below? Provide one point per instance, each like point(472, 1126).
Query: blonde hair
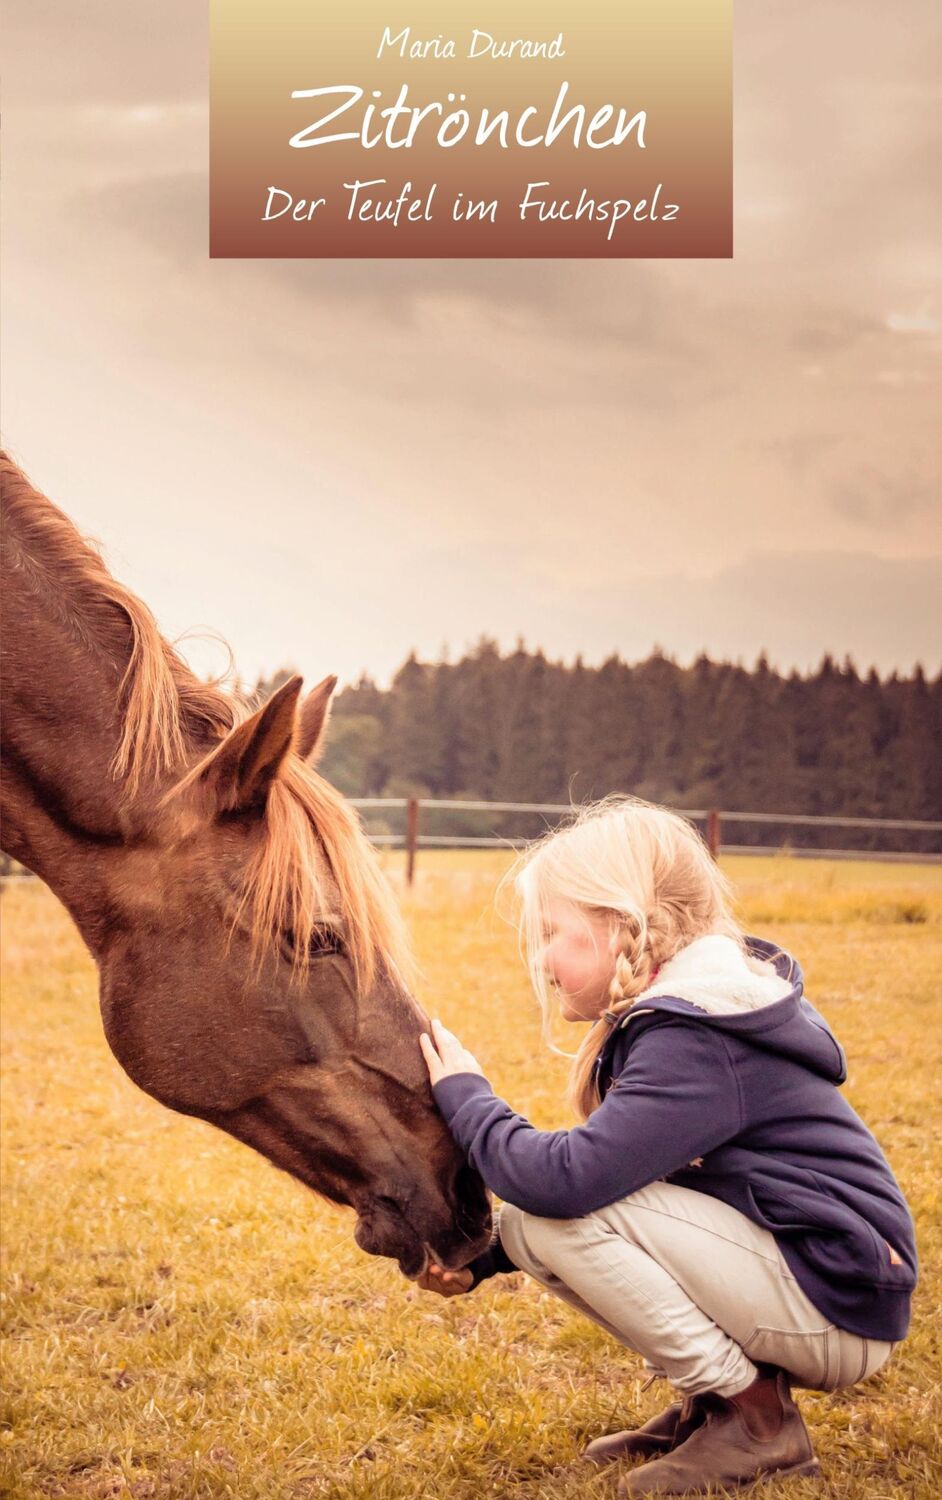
point(647, 869)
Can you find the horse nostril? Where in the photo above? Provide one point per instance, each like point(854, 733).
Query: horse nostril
point(398, 1207)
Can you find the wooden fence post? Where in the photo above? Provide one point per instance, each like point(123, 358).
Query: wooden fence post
point(412, 837)
point(713, 832)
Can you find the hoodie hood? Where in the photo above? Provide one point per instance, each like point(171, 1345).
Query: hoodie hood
point(758, 996)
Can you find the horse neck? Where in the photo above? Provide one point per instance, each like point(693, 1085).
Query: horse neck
point(65, 814)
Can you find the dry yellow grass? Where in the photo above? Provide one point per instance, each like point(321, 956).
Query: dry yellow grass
point(183, 1322)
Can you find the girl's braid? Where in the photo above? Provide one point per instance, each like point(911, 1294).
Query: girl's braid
point(633, 966)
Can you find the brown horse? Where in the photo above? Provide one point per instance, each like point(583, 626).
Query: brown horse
point(253, 966)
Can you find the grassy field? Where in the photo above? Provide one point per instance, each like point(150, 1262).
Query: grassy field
point(182, 1321)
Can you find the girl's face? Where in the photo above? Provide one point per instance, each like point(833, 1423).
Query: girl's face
point(577, 957)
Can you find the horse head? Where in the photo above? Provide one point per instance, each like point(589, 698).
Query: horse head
point(254, 969)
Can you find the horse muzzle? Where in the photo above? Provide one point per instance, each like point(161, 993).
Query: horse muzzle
point(382, 1230)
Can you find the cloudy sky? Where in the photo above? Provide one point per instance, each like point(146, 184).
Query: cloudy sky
point(333, 463)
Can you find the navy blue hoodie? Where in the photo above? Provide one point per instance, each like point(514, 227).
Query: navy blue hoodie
point(751, 1096)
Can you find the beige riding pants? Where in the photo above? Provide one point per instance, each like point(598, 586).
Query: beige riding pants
point(692, 1285)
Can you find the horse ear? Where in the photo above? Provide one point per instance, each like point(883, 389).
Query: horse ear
point(315, 712)
point(239, 774)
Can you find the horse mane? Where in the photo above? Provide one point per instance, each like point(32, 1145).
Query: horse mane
point(282, 886)
point(160, 699)
point(164, 707)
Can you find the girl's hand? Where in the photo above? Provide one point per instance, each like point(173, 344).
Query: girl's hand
point(446, 1283)
point(450, 1057)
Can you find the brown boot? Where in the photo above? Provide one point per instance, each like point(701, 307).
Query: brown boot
point(743, 1438)
point(660, 1435)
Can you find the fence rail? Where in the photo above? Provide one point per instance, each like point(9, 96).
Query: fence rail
point(412, 838)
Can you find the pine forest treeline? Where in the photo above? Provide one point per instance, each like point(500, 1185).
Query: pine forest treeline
point(519, 727)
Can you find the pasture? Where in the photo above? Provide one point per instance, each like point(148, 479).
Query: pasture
point(183, 1322)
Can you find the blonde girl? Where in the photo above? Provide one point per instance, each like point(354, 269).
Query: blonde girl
point(721, 1209)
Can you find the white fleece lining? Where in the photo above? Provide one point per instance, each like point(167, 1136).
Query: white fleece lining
point(714, 974)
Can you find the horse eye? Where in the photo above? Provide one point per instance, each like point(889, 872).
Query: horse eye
point(324, 941)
